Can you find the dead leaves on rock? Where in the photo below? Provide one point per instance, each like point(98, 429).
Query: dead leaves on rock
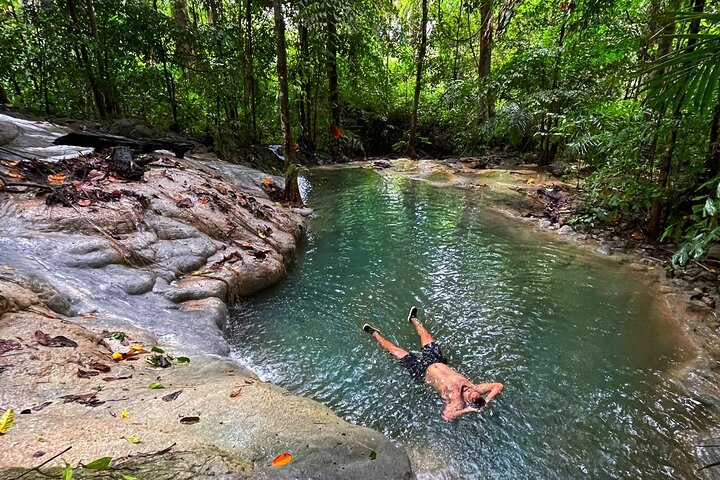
point(171, 397)
point(8, 345)
point(47, 341)
point(88, 399)
point(189, 420)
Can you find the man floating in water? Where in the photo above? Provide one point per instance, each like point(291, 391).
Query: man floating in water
point(460, 395)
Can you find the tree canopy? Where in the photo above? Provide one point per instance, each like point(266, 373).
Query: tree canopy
point(624, 94)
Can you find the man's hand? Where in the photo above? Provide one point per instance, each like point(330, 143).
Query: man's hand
point(493, 388)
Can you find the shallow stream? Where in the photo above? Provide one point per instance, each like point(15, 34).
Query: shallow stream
point(581, 344)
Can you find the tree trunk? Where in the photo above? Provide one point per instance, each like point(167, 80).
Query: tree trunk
point(292, 191)
point(418, 80)
point(657, 210)
point(3, 95)
point(486, 32)
point(85, 59)
point(250, 100)
point(332, 73)
point(306, 85)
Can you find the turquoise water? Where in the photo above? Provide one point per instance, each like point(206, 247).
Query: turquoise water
point(581, 345)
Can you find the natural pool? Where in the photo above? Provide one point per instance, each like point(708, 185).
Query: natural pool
point(581, 345)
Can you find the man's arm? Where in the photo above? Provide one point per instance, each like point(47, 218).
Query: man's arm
point(452, 411)
point(493, 388)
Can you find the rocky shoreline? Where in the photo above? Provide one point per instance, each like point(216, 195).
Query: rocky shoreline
point(113, 298)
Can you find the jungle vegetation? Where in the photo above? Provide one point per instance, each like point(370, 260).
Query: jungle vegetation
point(624, 94)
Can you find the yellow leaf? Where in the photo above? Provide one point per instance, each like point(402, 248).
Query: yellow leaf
point(117, 356)
point(136, 347)
point(651, 268)
point(261, 235)
point(530, 180)
point(6, 420)
point(282, 460)
point(124, 414)
point(267, 181)
point(132, 439)
point(8, 267)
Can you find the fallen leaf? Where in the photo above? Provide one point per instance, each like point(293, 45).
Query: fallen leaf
point(235, 393)
point(59, 341)
point(189, 420)
point(9, 344)
point(8, 267)
point(184, 203)
point(268, 181)
point(133, 440)
point(373, 455)
point(261, 235)
point(6, 420)
point(100, 367)
point(57, 178)
point(15, 174)
point(155, 386)
point(37, 408)
point(89, 399)
point(637, 235)
point(84, 202)
point(204, 200)
point(129, 477)
point(124, 414)
point(170, 397)
point(183, 360)
point(530, 180)
point(87, 374)
point(221, 189)
point(157, 349)
point(136, 347)
point(39, 454)
point(117, 356)
point(112, 379)
point(99, 463)
point(282, 460)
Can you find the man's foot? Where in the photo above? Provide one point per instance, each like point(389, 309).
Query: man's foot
point(412, 314)
point(370, 329)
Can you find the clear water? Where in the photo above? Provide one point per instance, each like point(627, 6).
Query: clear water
point(581, 346)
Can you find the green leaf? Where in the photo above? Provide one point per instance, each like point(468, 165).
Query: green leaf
point(67, 472)
point(156, 386)
point(6, 420)
point(157, 349)
point(133, 440)
point(182, 360)
point(373, 455)
point(129, 477)
point(118, 336)
point(99, 463)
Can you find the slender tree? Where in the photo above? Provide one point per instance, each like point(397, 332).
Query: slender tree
point(292, 190)
point(422, 47)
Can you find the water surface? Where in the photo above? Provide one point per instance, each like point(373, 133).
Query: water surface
point(581, 345)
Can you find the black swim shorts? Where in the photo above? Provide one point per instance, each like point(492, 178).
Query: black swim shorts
point(418, 366)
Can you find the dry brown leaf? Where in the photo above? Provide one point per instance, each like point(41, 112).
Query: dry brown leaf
point(235, 393)
point(57, 178)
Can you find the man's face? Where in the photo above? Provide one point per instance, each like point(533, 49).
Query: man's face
point(470, 396)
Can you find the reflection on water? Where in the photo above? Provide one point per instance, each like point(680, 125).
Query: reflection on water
point(578, 343)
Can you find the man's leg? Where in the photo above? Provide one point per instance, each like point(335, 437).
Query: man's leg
point(396, 351)
point(425, 336)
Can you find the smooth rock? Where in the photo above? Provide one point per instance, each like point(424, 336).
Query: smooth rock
point(604, 249)
point(544, 224)
point(8, 132)
point(305, 212)
point(566, 230)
